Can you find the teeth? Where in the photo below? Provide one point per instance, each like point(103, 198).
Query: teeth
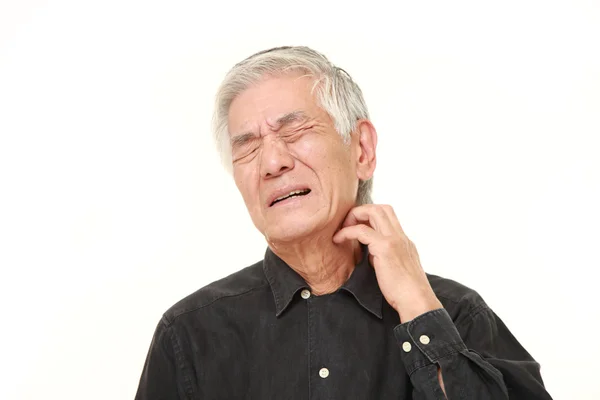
point(290, 194)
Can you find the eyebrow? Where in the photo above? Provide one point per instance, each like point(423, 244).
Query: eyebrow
point(294, 116)
point(286, 119)
point(242, 139)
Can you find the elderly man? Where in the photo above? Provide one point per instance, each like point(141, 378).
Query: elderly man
point(340, 307)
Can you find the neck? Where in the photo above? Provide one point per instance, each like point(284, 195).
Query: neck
point(324, 265)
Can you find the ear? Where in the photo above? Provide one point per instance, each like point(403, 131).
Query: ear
point(366, 149)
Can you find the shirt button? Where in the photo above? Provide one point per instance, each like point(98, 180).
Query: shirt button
point(424, 339)
point(323, 373)
point(406, 346)
point(305, 294)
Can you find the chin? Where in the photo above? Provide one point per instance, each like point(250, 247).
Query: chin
point(292, 229)
point(288, 233)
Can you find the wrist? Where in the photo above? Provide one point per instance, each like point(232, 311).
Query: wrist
point(416, 308)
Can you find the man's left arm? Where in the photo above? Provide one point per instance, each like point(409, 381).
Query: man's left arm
point(478, 359)
point(485, 365)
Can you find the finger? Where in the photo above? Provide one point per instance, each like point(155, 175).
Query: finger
point(361, 232)
point(351, 218)
point(389, 210)
point(373, 214)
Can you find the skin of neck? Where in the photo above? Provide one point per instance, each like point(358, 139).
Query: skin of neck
point(324, 265)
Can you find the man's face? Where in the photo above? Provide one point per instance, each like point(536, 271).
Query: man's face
point(283, 142)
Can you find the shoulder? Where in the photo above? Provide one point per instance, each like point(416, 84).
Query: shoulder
point(461, 302)
point(238, 284)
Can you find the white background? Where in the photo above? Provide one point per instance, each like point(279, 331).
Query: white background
point(114, 205)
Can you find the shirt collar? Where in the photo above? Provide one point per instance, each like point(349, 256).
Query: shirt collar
point(285, 283)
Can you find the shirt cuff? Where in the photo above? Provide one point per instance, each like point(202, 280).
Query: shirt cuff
point(427, 338)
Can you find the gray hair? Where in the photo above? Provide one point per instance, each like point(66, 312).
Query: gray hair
point(336, 92)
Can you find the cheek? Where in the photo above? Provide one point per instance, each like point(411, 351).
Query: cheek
point(245, 184)
point(314, 153)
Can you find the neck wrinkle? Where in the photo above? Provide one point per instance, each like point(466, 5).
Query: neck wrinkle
point(324, 265)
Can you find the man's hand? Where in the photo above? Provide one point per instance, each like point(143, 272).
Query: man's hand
point(394, 257)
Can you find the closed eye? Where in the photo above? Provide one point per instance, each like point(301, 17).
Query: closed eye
point(295, 134)
point(245, 151)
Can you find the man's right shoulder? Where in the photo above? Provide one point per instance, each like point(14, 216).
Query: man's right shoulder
point(240, 283)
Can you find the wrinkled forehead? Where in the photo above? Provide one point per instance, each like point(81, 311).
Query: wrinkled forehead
point(273, 101)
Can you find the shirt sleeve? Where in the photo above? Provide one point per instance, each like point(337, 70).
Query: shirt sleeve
point(479, 359)
point(159, 376)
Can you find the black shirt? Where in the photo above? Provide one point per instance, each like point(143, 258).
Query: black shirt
point(260, 334)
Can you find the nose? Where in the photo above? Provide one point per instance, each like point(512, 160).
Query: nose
point(275, 158)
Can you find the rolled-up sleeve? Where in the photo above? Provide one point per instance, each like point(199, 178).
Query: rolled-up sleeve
point(479, 359)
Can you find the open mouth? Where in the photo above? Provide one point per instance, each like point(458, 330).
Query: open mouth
point(295, 193)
